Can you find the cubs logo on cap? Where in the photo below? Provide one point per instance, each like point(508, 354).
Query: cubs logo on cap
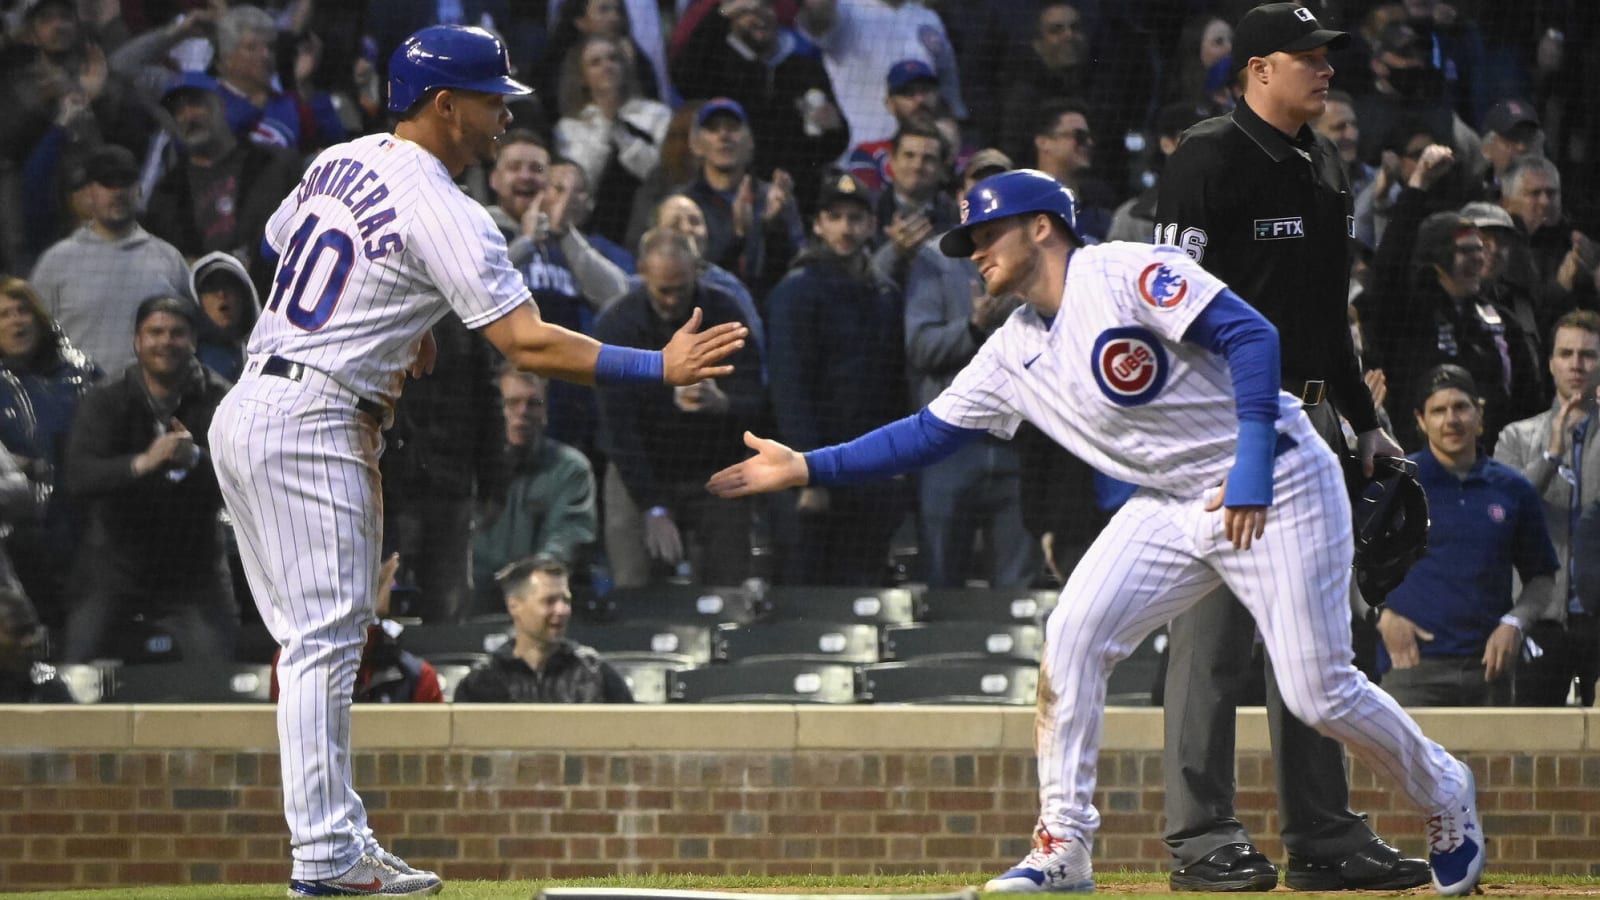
point(1129, 365)
point(1161, 287)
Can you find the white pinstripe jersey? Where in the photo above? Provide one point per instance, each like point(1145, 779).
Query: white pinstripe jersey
point(375, 245)
point(1111, 379)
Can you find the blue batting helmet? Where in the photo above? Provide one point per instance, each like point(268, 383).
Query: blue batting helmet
point(449, 56)
point(1010, 194)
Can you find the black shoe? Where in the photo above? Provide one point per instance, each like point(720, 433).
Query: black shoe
point(1232, 867)
point(1375, 867)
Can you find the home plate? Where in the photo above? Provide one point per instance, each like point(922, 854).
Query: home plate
point(621, 893)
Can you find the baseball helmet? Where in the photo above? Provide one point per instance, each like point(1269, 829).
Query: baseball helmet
point(1389, 515)
point(1010, 194)
point(449, 56)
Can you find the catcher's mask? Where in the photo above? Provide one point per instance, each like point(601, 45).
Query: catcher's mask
point(1389, 516)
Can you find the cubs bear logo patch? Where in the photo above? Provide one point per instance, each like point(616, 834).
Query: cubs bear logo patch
point(1129, 365)
point(1161, 287)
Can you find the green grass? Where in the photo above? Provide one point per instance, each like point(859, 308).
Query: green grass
point(1503, 886)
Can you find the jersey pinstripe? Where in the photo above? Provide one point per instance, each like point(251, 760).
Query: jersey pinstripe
point(375, 245)
point(1111, 379)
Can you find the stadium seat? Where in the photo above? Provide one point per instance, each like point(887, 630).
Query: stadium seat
point(813, 641)
point(88, 683)
point(138, 641)
point(947, 681)
point(475, 636)
point(1012, 605)
point(254, 644)
point(456, 659)
point(873, 606)
point(689, 644)
point(962, 640)
point(647, 675)
point(775, 681)
point(450, 675)
point(683, 604)
point(1134, 680)
point(190, 683)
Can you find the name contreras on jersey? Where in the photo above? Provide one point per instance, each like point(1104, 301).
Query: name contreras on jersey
point(344, 180)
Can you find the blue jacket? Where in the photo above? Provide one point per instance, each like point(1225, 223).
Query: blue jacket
point(1479, 527)
point(835, 350)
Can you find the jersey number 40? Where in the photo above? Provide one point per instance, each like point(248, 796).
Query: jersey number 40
point(295, 274)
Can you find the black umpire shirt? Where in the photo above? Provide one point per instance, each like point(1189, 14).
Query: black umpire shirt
point(1272, 216)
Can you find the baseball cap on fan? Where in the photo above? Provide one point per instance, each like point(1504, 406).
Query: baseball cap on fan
point(908, 73)
point(1508, 117)
point(720, 106)
point(844, 188)
point(1288, 27)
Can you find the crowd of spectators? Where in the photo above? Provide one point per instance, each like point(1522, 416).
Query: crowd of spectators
point(785, 163)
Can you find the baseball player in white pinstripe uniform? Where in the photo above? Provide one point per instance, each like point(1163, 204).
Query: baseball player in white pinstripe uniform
point(1151, 370)
point(374, 246)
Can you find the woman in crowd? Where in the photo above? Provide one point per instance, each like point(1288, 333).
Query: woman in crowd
point(609, 129)
point(42, 378)
point(580, 19)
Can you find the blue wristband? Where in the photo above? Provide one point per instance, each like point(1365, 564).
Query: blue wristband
point(1250, 481)
point(626, 365)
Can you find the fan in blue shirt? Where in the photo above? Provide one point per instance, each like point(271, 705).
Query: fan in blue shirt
point(1451, 631)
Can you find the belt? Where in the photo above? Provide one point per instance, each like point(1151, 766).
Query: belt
point(278, 367)
point(1311, 391)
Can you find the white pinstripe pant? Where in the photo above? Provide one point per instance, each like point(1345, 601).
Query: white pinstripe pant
point(298, 467)
point(1159, 555)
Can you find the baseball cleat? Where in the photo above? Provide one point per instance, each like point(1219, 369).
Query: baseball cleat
point(1055, 865)
point(1455, 844)
point(398, 864)
point(369, 878)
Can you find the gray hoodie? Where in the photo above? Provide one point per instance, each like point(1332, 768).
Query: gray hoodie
point(223, 350)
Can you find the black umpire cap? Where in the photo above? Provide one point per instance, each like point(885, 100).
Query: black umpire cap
point(1288, 27)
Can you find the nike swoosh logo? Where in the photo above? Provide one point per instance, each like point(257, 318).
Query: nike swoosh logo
point(1029, 363)
point(372, 885)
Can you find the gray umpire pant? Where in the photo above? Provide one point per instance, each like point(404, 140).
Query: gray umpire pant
point(1208, 663)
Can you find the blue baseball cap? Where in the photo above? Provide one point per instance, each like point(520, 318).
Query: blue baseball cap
point(188, 83)
point(908, 72)
point(720, 105)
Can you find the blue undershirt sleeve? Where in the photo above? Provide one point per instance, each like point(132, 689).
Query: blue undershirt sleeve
point(1230, 328)
point(900, 446)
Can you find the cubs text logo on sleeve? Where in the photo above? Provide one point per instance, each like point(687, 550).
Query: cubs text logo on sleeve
point(1129, 365)
point(1162, 287)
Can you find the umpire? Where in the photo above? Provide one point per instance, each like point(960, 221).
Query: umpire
point(1260, 199)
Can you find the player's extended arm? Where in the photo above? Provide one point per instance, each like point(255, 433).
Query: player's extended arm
point(535, 345)
point(1230, 328)
point(897, 447)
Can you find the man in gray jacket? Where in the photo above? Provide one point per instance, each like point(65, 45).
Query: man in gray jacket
point(92, 280)
point(1555, 450)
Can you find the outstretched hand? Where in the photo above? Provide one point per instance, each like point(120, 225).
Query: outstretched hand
point(691, 356)
point(773, 468)
point(1242, 524)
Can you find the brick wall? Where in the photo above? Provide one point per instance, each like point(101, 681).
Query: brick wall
point(118, 817)
point(113, 795)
